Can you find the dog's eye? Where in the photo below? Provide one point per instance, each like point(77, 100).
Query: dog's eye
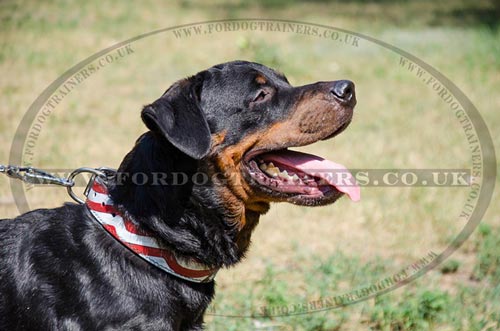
point(262, 95)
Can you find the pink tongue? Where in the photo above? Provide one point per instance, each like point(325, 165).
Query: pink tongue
point(333, 173)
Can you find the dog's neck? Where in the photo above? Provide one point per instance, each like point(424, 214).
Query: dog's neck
point(189, 218)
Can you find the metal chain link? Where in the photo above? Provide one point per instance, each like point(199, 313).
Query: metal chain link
point(36, 176)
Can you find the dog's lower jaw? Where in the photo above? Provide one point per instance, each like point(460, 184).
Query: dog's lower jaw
point(260, 207)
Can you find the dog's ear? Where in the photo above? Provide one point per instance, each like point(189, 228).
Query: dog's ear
point(178, 117)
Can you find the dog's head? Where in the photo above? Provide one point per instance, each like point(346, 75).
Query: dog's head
point(239, 119)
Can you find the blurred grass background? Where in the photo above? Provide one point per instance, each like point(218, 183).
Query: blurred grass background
point(298, 254)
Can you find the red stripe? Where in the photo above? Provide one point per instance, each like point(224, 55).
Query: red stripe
point(111, 229)
point(101, 208)
point(139, 249)
point(108, 209)
point(171, 261)
point(157, 252)
point(133, 229)
point(99, 188)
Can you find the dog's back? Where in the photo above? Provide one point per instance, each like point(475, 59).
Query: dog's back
point(60, 271)
point(37, 256)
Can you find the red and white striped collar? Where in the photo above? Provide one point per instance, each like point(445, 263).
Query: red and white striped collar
point(142, 243)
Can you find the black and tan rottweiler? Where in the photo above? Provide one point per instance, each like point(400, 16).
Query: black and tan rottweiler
point(141, 254)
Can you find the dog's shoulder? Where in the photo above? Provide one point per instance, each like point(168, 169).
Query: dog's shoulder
point(40, 219)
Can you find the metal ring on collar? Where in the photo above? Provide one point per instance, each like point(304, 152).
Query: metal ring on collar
point(76, 172)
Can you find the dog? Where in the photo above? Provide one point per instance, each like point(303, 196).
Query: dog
point(142, 253)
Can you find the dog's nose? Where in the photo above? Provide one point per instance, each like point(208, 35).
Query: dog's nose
point(344, 91)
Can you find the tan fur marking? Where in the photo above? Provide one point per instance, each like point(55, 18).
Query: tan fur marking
point(217, 139)
point(261, 79)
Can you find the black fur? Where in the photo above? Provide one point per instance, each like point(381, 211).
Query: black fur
point(60, 270)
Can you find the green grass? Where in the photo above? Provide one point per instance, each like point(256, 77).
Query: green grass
point(488, 255)
point(450, 266)
point(298, 254)
point(422, 306)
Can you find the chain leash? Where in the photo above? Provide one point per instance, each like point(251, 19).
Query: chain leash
point(32, 175)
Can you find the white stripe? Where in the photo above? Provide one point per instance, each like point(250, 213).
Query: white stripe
point(117, 222)
point(162, 264)
point(190, 264)
point(127, 237)
point(122, 232)
point(99, 198)
point(158, 261)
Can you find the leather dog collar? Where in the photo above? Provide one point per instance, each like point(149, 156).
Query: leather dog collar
point(143, 243)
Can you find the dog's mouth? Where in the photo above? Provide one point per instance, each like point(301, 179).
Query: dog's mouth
point(300, 178)
point(276, 173)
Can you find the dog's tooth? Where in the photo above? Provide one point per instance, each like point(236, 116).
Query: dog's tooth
point(272, 171)
point(288, 177)
point(263, 166)
point(284, 175)
point(270, 165)
point(306, 177)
